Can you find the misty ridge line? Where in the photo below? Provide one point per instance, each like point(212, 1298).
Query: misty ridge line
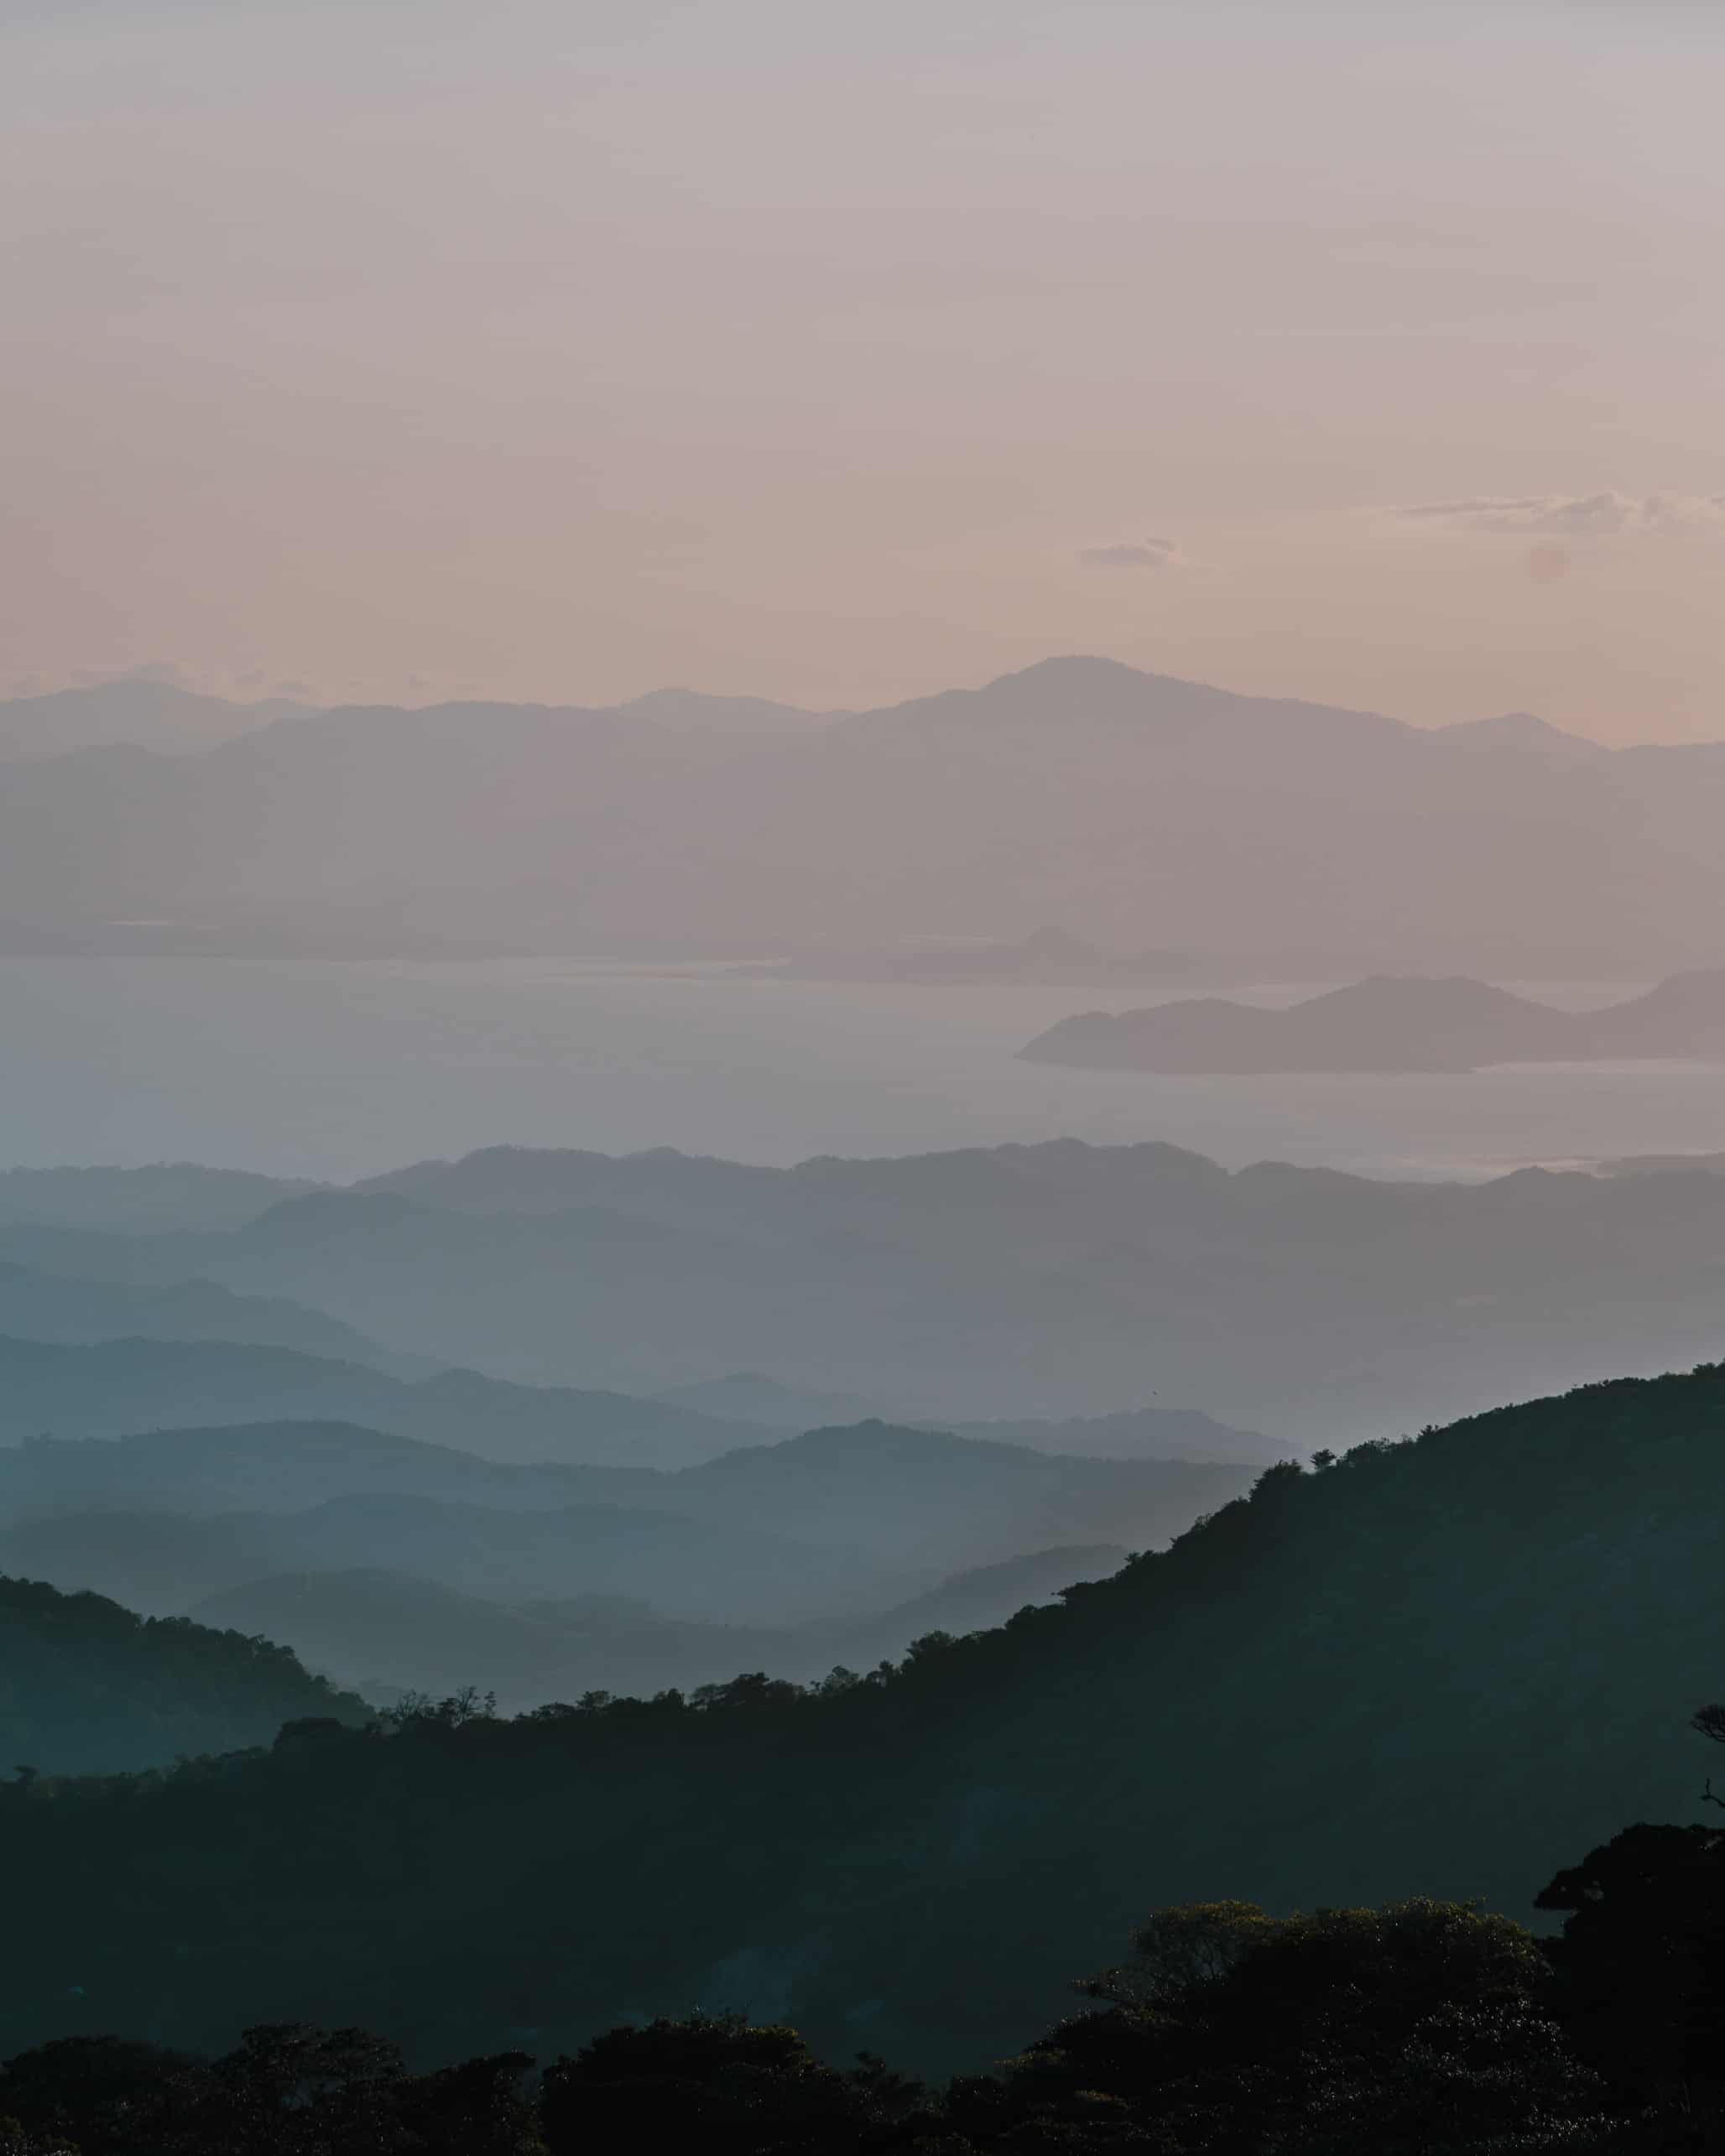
point(834, 1526)
point(592, 1304)
point(1219, 833)
point(137, 711)
point(1387, 1025)
point(192, 1197)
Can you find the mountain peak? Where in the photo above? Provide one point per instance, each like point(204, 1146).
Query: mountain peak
point(1065, 668)
point(1518, 729)
point(132, 710)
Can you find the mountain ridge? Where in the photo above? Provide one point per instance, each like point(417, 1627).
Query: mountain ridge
point(1391, 1024)
point(1406, 1646)
point(1027, 1283)
point(90, 1687)
point(1082, 792)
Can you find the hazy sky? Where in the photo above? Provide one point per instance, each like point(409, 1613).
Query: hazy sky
point(838, 352)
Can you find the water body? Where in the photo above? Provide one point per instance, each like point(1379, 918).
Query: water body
point(317, 1068)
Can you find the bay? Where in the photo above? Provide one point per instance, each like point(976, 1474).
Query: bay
point(340, 1070)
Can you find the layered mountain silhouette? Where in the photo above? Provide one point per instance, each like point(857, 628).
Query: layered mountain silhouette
point(1023, 1284)
point(164, 1561)
point(130, 712)
point(835, 1523)
point(1387, 1025)
point(1268, 836)
point(748, 1396)
point(1455, 1654)
point(751, 1396)
point(110, 1386)
point(392, 1632)
point(42, 1306)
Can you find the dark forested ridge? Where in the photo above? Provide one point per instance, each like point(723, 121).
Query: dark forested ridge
point(1429, 1664)
point(88, 1687)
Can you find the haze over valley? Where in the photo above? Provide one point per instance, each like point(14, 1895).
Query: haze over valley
point(556, 1277)
point(862, 1079)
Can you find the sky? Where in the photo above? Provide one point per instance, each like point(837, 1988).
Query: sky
point(399, 350)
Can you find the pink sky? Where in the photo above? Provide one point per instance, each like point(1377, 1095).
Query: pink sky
point(839, 352)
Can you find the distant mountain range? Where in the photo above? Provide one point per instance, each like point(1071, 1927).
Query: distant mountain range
point(40, 1306)
point(1131, 1434)
point(832, 1525)
point(1265, 837)
point(174, 1196)
point(1015, 1285)
point(1386, 1025)
point(132, 712)
point(74, 1377)
point(109, 1386)
point(391, 1631)
point(1664, 1163)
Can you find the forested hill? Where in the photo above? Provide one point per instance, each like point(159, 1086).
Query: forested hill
point(1421, 1668)
point(85, 1687)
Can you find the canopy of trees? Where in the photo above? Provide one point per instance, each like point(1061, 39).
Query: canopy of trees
point(1422, 2028)
point(87, 1687)
point(1425, 1666)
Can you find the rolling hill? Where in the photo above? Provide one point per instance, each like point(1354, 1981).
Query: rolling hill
point(163, 1561)
point(834, 1523)
point(89, 1688)
point(130, 713)
point(112, 1387)
point(43, 1306)
point(1015, 1284)
point(1443, 1659)
point(380, 1629)
point(176, 1195)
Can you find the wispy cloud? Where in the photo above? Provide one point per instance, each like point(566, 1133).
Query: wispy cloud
point(1605, 515)
point(1132, 553)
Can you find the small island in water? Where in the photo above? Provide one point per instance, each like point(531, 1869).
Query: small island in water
point(1386, 1025)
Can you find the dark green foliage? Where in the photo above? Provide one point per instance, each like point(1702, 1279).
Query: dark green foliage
point(1421, 2029)
point(15, 2141)
point(290, 2091)
point(1642, 1960)
point(85, 1687)
point(1430, 1664)
point(1419, 2026)
point(106, 2093)
point(712, 2083)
